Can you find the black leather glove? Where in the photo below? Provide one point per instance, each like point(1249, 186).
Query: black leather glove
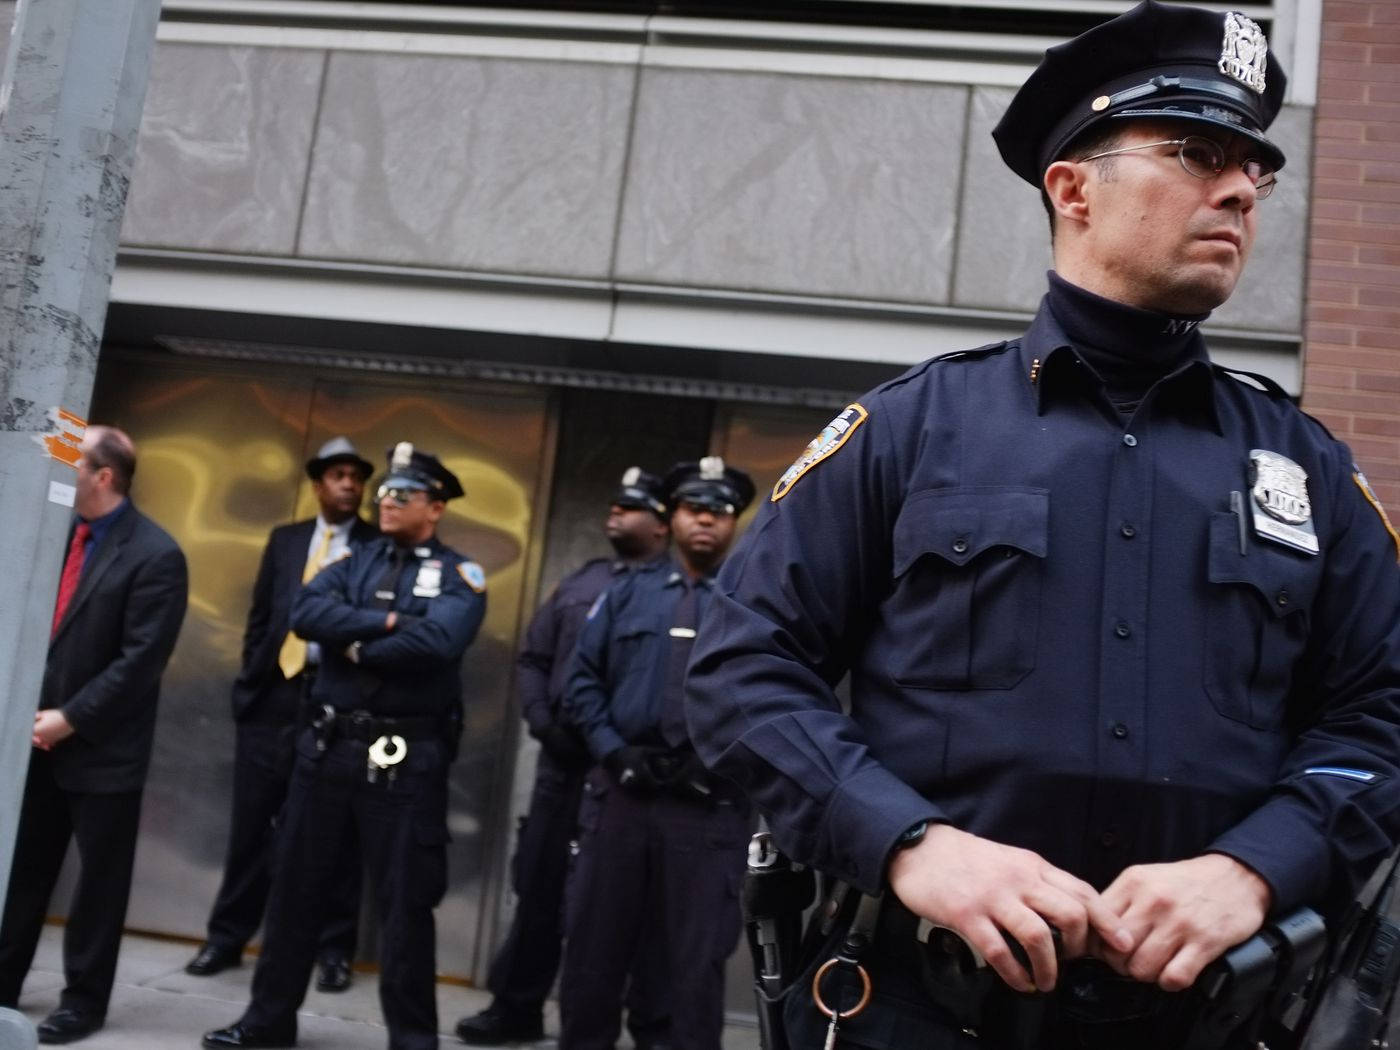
point(629, 767)
point(563, 744)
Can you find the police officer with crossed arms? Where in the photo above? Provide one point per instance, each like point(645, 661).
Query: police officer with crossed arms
point(393, 618)
point(1122, 626)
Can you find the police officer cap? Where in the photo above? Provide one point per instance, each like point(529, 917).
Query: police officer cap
point(709, 483)
point(641, 490)
point(1157, 61)
point(411, 469)
point(337, 450)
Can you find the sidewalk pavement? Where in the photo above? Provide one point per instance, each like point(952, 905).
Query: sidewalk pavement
point(157, 1006)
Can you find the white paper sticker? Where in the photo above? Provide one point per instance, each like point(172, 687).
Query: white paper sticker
point(62, 494)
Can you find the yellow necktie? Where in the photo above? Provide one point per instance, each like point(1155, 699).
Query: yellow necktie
point(292, 656)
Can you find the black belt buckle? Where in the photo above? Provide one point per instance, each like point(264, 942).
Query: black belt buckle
point(362, 725)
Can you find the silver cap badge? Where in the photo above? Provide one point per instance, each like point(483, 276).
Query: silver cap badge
point(1244, 55)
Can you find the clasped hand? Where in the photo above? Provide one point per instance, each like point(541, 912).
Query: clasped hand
point(1157, 923)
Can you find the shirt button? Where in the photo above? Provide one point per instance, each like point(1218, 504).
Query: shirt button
point(1127, 530)
point(1108, 839)
point(1123, 630)
point(960, 546)
point(1129, 440)
point(1120, 731)
point(1282, 599)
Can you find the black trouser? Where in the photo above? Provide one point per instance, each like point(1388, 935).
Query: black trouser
point(524, 968)
point(262, 770)
point(402, 829)
point(656, 868)
point(104, 827)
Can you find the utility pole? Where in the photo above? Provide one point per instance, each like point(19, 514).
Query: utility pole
point(70, 110)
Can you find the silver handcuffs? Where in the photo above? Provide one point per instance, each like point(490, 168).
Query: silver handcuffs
point(385, 753)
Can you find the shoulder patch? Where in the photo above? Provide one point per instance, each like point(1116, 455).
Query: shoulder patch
point(825, 444)
point(473, 575)
point(1365, 487)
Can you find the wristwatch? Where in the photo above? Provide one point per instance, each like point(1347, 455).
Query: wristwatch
point(912, 837)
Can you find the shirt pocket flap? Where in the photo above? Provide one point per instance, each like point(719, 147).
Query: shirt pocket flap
point(1284, 580)
point(959, 524)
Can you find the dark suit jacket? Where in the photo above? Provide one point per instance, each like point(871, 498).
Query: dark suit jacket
point(106, 659)
point(269, 617)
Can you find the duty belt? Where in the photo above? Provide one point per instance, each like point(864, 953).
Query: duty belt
point(1095, 1008)
point(361, 725)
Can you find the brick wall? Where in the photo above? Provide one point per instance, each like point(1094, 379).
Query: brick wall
point(1351, 373)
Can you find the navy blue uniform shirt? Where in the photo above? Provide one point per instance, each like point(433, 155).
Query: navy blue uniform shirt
point(543, 663)
point(617, 678)
point(1053, 638)
point(413, 670)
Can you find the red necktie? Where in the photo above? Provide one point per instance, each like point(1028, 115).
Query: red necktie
point(72, 572)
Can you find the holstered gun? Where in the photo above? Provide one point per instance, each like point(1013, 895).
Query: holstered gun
point(776, 892)
point(1351, 1003)
point(1256, 981)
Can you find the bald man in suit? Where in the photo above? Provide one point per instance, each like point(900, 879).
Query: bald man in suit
point(121, 601)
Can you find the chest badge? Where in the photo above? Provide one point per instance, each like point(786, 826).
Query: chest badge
point(428, 583)
point(1279, 498)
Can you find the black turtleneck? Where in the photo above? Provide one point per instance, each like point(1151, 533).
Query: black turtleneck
point(1129, 348)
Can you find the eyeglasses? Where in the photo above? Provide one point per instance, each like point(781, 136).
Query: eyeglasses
point(402, 496)
point(1205, 159)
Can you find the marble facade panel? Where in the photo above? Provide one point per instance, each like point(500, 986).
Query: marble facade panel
point(225, 140)
point(797, 184)
point(500, 165)
point(1003, 235)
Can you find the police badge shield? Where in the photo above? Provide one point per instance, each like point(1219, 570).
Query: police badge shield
point(1244, 54)
point(1282, 509)
point(429, 581)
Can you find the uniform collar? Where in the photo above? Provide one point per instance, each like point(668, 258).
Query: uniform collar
point(1054, 369)
point(426, 549)
point(676, 576)
point(622, 565)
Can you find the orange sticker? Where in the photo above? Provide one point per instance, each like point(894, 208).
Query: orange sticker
point(63, 445)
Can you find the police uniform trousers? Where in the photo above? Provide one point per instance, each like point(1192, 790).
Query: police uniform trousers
point(263, 754)
point(104, 827)
point(524, 968)
point(656, 868)
point(401, 825)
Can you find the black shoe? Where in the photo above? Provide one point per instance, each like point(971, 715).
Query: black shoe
point(66, 1025)
point(333, 975)
point(242, 1035)
point(494, 1026)
point(213, 958)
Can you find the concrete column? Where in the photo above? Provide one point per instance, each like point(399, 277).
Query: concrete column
point(70, 110)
